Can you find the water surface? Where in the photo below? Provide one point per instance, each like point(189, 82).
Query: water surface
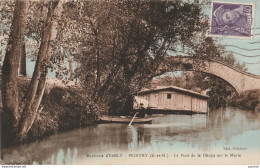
point(225, 136)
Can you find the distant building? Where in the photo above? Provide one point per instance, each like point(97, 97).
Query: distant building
point(172, 98)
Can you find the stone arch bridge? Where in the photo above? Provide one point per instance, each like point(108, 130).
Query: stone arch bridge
point(241, 81)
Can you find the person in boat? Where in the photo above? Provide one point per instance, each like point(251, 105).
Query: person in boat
point(141, 112)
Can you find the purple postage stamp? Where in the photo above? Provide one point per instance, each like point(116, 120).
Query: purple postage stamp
point(232, 19)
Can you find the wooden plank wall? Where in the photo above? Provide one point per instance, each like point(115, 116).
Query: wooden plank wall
point(178, 101)
point(199, 105)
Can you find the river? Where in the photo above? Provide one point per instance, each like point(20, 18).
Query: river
point(225, 136)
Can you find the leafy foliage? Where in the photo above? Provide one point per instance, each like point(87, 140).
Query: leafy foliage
point(247, 100)
point(6, 13)
point(123, 44)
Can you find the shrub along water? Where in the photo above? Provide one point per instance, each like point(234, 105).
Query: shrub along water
point(247, 100)
point(62, 108)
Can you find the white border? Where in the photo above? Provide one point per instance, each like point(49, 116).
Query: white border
point(229, 36)
point(127, 166)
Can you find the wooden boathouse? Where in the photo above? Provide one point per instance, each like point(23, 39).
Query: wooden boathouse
point(172, 98)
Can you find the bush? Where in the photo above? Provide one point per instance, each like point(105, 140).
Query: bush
point(257, 108)
point(248, 100)
point(62, 109)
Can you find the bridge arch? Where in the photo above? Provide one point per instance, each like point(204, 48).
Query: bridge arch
point(241, 81)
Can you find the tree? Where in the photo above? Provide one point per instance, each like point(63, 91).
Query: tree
point(125, 43)
point(36, 88)
point(6, 12)
point(22, 62)
point(10, 68)
point(20, 114)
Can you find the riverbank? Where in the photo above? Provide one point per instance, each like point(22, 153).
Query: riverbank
point(63, 107)
point(249, 100)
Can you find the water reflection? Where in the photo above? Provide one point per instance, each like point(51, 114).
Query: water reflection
point(167, 133)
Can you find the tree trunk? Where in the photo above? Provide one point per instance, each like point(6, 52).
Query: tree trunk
point(97, 85)
point(36, 88)
point(60, 66)
point(70, 67)
point(13, 53)
point(22, 62)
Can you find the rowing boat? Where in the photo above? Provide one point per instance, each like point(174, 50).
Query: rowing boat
point(126, 120)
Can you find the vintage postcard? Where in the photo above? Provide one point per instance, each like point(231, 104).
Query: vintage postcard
point(133, 82)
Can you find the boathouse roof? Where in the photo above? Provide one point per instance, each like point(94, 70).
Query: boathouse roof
point(172, 88)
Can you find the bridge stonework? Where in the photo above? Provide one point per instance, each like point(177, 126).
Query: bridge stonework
point(240, 80)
